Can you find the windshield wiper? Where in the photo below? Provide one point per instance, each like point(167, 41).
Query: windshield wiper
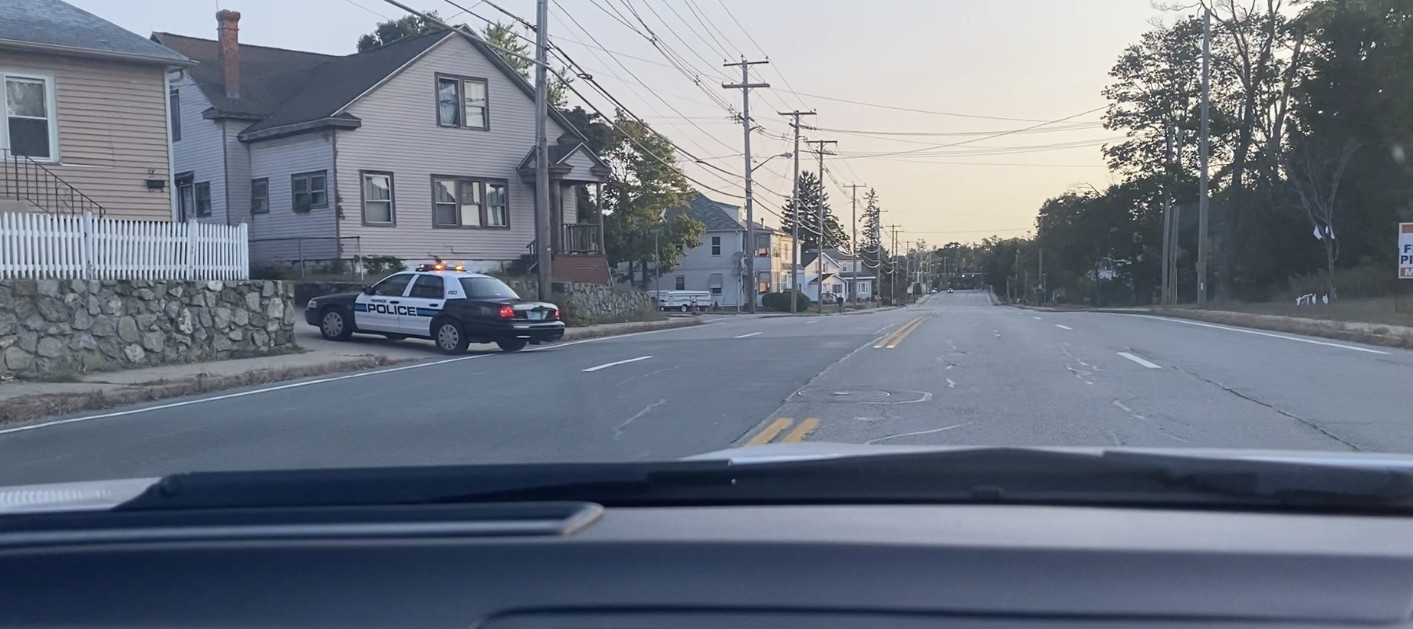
point(975, 476)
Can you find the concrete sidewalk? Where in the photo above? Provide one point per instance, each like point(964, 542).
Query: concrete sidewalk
point(23, 400)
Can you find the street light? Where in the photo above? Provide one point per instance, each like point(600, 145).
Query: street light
point(757, 166)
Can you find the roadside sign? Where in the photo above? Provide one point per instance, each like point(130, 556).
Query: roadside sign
point(1405, 251)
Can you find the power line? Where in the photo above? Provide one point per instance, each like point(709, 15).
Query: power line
point(993, 136)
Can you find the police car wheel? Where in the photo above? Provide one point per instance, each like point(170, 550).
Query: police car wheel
point(511, 346)
point(333, 325)
point(450, 338)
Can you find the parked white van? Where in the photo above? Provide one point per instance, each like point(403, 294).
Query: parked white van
point(682, 300)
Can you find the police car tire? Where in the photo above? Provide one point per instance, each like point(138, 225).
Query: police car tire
point(345, 324)
point(511, 346)
point(461, 339)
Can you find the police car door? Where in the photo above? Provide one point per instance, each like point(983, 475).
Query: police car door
point(422, 303)
point(379, 312)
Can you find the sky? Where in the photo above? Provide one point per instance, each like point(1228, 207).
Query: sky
point(978, 67)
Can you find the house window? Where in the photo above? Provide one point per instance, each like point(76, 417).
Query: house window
point(680, 283)
point(29, 118)
point(497, 205)
point(461, 202)
point(174, 102)
point(378, 198)
point(764, 279)
point(714, 281)
point(260, 196)
point(461, 102)
point(309, 191)
point(186, 197)
point(716, 245)
point(203, 198)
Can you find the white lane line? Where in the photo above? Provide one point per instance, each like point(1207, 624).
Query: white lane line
point(745, 336)
point(1037, 318)
point(812, 322)
point(1139, 360)
point(1063, 327)
point(307, 383)
point(1259, 333)
point(951, 384)
point(616, 363)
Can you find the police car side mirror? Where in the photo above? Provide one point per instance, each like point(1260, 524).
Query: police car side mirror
point(367, 289)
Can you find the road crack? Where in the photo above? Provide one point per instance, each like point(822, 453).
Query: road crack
point(619, 429)
point(1301, 420)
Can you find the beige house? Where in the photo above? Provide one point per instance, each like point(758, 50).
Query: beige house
point(83, 114)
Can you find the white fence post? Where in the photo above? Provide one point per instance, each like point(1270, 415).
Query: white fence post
point(91, 247)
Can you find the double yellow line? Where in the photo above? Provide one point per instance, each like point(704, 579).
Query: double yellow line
point(773, 429)
point(892, 340)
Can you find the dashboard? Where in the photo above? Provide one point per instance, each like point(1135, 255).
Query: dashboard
point(582, 566)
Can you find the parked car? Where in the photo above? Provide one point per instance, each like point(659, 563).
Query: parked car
point(451, 307)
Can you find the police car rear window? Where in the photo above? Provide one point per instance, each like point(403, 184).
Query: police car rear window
point(486, 288)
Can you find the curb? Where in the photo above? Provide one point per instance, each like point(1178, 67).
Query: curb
point(28, 408)
point(1374, 334)
point(33, 407)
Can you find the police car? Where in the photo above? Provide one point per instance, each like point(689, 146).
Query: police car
point(440, 302)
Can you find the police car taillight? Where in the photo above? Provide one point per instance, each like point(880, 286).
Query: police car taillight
point(555, 316)
point(506, 312)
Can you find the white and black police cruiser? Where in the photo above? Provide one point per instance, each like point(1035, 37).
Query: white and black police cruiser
point(440, 302)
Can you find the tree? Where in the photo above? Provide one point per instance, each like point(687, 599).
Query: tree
point(643, 185)
point(871, 244)
point(1315, 172)
point(805, 211)
point(392, 30)
point(512, 47)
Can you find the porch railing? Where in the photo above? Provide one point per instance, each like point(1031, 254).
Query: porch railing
point(23, 179)
point(581, 238)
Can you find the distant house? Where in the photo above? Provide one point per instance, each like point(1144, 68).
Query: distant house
point(83, 114)
point(418, 149)
point(844, 275)
point(719, 264)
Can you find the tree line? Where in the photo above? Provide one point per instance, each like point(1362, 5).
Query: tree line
point(1310, 115)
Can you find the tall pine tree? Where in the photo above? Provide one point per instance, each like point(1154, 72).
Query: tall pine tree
point(871, 240)
point(805, 211)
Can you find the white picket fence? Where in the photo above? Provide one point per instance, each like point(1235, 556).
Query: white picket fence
point(91, 247)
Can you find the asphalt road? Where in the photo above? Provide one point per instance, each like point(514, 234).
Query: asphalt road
point(955, 370)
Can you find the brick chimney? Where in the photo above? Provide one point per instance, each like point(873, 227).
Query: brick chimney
point(228, 30)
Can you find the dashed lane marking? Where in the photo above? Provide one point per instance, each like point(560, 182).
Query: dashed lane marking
point(1139, 360)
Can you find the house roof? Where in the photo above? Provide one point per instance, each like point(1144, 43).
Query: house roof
point(560, 152)
point(268, 76)
point(61, 27)
point(808, 257)
point(850, 275)
point(291, 90)
point(709, 213)
point(840, 255)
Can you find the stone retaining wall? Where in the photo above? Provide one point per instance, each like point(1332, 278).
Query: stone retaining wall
point(56, 327)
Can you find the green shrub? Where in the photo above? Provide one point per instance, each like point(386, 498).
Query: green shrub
point(780, 302)
point(382, 265)
point(274, 272)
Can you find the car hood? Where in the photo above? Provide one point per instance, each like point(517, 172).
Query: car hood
point(106, 494)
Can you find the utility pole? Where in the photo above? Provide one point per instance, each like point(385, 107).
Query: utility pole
point(543, 256)
point(795, 198)
point(893, 268)
point(1172, 227)
point(1202, 156)
point(1041, 273)
point(745, 86)
point(853, 235)
point(819, 259)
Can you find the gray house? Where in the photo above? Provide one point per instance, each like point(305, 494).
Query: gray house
point(718, 265)
point(418, 149)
